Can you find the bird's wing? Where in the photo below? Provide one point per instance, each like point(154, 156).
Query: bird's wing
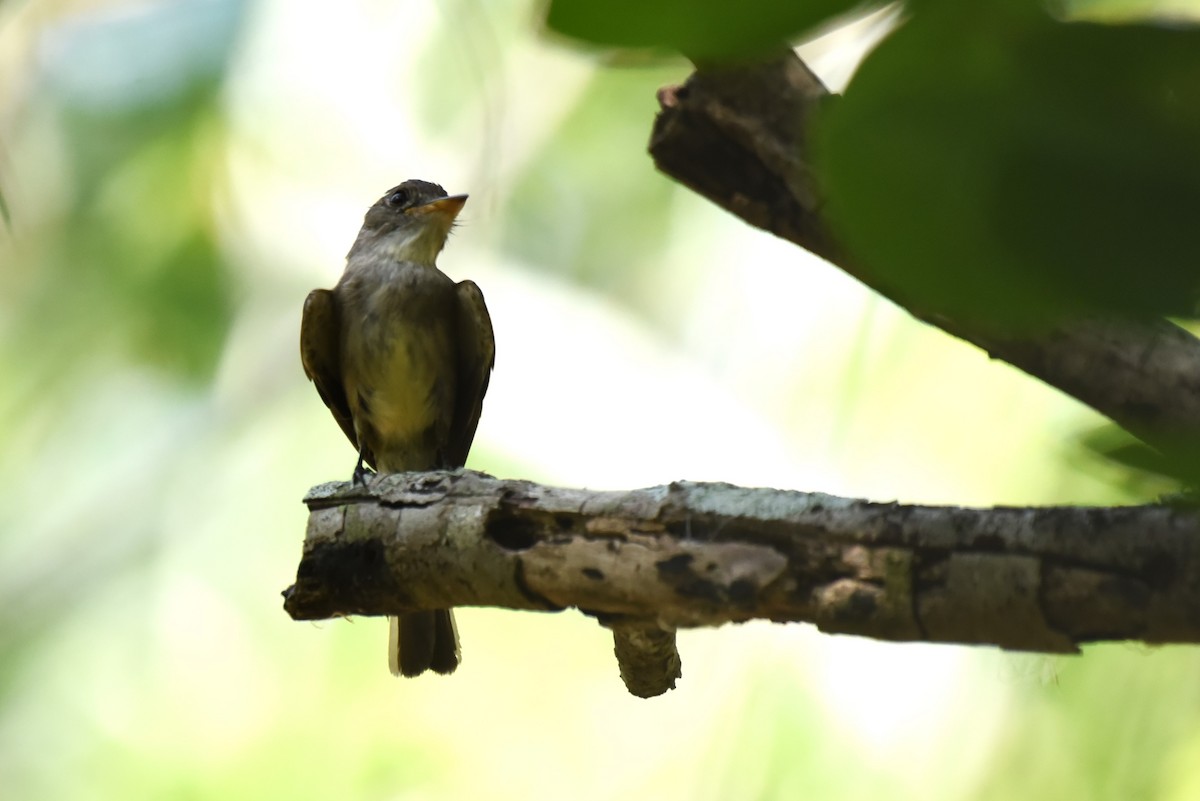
point(320, 353)
point(476, 356)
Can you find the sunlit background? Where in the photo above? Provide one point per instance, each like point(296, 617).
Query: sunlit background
point(176, 176)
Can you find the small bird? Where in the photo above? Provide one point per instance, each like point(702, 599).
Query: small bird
point(401, 355)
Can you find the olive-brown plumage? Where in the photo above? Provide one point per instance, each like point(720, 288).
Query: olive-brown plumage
point(401, 355)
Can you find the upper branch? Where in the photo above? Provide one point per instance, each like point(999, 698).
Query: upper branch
point(737, 135)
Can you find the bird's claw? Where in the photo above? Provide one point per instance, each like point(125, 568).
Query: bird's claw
point(361, 473)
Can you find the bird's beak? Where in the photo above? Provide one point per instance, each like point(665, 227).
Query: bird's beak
point(447, 207)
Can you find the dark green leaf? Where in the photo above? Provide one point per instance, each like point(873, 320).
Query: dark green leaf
point(697, 28)
point(1012, 168)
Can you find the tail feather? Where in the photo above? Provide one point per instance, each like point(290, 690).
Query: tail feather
point(421, 641)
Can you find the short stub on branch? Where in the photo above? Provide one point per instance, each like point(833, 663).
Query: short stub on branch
point(649, 561)
point(647, 657)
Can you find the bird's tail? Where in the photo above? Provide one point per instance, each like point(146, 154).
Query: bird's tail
point(423, 641)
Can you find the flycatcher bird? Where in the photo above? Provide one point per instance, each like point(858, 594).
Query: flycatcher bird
point(401, 355)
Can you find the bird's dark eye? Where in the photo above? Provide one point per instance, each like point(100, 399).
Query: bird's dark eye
point(398, 198)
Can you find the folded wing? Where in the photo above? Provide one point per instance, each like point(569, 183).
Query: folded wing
point(321, 355)
point(476, 357)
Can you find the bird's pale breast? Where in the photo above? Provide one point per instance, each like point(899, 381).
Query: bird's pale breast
point(401, 395)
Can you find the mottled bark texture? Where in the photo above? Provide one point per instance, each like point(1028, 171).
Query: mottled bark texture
point(738, 136)
point(646, 562)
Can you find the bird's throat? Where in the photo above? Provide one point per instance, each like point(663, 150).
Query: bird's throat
point(419, 244)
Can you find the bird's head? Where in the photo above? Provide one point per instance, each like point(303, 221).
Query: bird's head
point(410, 222)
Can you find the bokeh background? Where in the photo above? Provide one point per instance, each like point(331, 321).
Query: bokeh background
point(176, 176)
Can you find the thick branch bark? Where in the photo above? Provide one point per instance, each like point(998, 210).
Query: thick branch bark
point(647, 561)
point(737, 137)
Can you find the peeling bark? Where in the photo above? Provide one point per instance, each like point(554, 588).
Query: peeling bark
point(646, 562)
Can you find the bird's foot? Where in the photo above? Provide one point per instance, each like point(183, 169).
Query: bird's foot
point(361, 473)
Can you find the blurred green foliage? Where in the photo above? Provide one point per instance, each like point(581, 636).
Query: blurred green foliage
point(1135, 469)
point(5, 215)
point(144, 243)
point(117, 301)
point(157, 431)
point(591, 183)
point(130, 257)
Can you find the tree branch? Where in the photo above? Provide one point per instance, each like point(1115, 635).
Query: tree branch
point(645, 562)
point(737, 136)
